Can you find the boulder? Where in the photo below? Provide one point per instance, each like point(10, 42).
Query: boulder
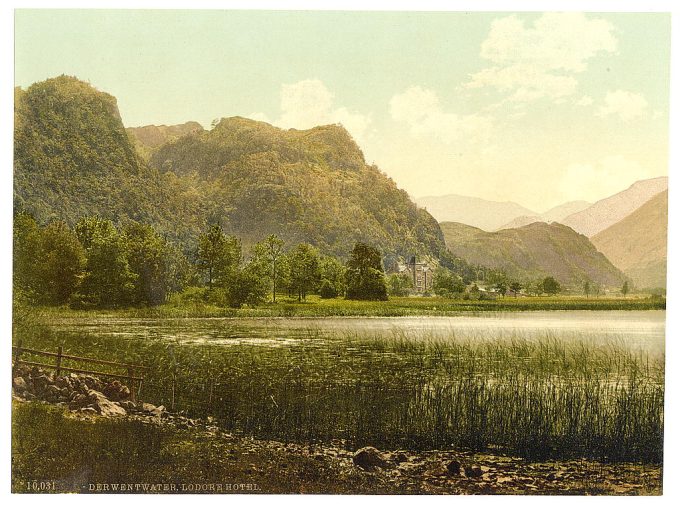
point(116, 391)
point(369, 458)
point(20, 385)
point(473, 471)
point(41, 381)
point(453, 467)
point(148, 408)
point(52, 393)
point(104, 406)
point(128, 405)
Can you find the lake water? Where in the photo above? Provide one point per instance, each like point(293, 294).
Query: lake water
point(644, 330)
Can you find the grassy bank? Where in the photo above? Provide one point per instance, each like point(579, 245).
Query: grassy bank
point(395, 306)
point(552, 398)
point(96, 455)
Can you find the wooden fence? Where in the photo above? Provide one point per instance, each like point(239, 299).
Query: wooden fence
point(134, 372)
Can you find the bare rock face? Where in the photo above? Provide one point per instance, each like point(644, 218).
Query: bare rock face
point(369, 458)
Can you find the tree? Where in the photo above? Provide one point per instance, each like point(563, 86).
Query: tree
point(246, 285)
point(365, 276)
point(586, 288)
point(332, 276)
point(61, 260)
point(304, 269)
point(108, 280)
point(270, 252)
point(26, 245)
point(597, 288)
point(399, 285)
point(446, 283)
point(625, 289)
point(218, 255)
point(551, 286)
point(501, 287)
point(515, 287)
point(149, 258)
point(48, 261)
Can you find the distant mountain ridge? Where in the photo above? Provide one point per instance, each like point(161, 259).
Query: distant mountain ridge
point(637, 244)
point(533, 251)
point(148, 138)
point(609, 211)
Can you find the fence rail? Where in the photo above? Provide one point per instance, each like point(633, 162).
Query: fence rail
point(132, 369)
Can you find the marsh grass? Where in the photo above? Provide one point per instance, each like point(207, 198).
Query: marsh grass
point(395, 306)
point(554, 397)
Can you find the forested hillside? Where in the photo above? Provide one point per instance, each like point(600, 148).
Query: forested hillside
point(305, 186)
point(74, 158)
point(534, 251)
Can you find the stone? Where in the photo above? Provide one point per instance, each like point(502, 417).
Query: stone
point(41, 381)
point(473, 471)
point(148, 408)
point(399, 457)
point(453, 467)
point(20, 384)
point(104, 406)
point(128, 405)
point(369, 458)
point(52, 393)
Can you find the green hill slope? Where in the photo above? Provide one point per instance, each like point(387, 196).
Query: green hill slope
point(73, 157)
point(533, 251)
point(149, 137)
point(306, 186)
point(637, 244)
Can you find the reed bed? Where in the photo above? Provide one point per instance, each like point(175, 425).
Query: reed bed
point(395, 306)
point(554, 397)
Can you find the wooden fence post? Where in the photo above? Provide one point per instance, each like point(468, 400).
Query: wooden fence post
point(133, 392)
point(59, 352)
point(17, 354)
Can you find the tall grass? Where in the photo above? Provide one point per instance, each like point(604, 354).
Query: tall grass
point(554, 397)
point(396, 306)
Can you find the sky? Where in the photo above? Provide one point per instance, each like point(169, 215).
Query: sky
point(536, 108)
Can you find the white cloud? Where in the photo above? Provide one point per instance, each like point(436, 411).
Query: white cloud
point(419, 108)
point(309, 103)
point(540, 60)
point(586, 100)
point(592, 181)
point(626, 105)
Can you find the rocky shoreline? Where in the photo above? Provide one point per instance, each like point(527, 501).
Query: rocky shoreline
point(417, 472)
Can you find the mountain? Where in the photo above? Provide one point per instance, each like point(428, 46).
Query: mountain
point(485, 214)
point(304, 185)
point(73, 158)
point(150, 137)
point(604, 213)
point(637, 244)
point(564, 210)
point(520, 221)
point(533, 251)
point(555, 214)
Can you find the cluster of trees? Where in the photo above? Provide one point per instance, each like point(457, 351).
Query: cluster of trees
point(97, 264)
point(594, 288)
